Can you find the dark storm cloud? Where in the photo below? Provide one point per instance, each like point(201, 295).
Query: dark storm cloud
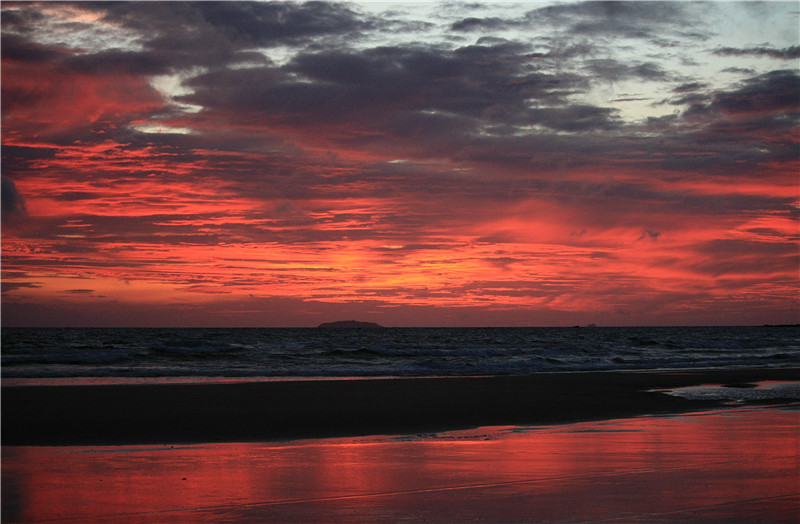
point(615, 70)
point(12, 286)
point(740, 70)
point(787, 53)
point(495, 84)
point(403, 91)
point(259, 23)
point(690, 87)
point(17, 159)
point(78, 291)
point(618, 19)
point(422, 125)
point(382, 66)
point(770, 92)
point(369, 88)
point(482, 24)
point(245, 24)
point(116, 61)
point(594, 19)
point(180, 35)
point(24, 19)
point(747, 124)
point(13, 205)
point(578, 118)
point(17, 47)
point(72, 196)
point(776, 93)
point(187, 34)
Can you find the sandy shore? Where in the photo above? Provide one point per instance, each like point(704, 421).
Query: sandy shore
point(731, 465)
point(263, 411)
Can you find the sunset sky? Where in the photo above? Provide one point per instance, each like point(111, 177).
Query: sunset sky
point(411, 164)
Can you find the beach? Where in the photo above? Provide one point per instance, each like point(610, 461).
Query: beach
point(279, 410)
point(559, 447)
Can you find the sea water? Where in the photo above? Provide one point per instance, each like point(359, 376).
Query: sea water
point(154, 354)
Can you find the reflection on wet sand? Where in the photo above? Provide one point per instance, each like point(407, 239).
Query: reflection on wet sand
point(731, 464)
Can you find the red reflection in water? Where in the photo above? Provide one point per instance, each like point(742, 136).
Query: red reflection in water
point(731, 464)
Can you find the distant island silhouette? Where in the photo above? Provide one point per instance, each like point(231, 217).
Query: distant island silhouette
point(348, 324)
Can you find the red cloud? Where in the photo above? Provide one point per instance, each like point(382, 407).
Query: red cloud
point(50, 102)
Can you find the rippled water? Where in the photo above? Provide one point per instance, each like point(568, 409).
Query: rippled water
point(275, 352)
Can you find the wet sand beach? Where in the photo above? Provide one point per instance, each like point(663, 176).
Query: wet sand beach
point(258, 411)
point(731, 465)
point(585, 447)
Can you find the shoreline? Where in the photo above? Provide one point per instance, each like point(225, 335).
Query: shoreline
point(732, 465)
point(215, 380)
point(254, 411)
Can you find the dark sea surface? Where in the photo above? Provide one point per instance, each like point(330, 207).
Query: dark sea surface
point(156, 354)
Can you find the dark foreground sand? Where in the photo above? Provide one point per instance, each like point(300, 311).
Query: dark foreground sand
point(263, 411)
point(552, 448)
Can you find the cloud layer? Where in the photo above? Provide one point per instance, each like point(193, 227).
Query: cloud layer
point(273, 163)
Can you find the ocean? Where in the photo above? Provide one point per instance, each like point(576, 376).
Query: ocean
point(152, 355)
